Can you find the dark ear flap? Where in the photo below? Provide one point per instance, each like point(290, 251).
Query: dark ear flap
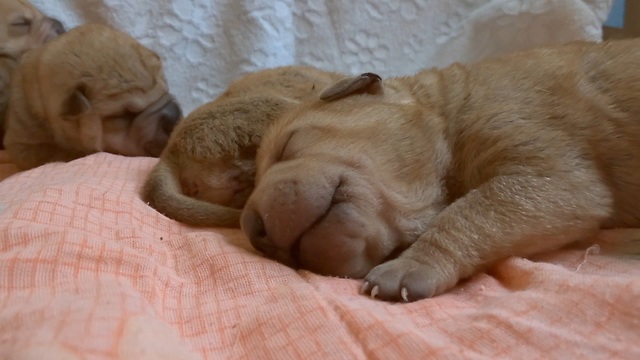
point(367, 83)
point(77, 103)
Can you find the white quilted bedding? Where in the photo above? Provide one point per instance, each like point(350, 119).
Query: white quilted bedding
point(206, 44)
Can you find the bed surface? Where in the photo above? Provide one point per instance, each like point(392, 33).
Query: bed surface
point(87, 270)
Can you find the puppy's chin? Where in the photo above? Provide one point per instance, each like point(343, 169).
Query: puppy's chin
point(123, 141)
point(347, 241)
point(122, 144)
point(154, 147)
point(326, 218)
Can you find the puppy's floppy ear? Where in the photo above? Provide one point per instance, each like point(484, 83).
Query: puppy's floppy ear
point(76, 103)
point(367, 83)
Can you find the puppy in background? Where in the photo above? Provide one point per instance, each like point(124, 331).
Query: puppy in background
point(206, 173)
point(415, 183)
point(22, 28)
point(7, 64)
point(92, 89)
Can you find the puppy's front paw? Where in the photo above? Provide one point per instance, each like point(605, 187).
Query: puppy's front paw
point(405, 279)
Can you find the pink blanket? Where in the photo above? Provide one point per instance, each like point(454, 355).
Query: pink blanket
point(89, 271)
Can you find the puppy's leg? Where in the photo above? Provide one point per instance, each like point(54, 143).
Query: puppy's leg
point(506, 216)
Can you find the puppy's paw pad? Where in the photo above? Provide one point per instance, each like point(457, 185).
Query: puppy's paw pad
point(401, 280)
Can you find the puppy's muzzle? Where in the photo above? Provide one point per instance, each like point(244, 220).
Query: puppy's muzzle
point(279, 214)
point(166, 113)
point(169, 116)
point(56, 28)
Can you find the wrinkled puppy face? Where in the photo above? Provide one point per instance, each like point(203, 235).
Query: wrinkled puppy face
point(23, 27)
point(120, 101)
point(345, 185)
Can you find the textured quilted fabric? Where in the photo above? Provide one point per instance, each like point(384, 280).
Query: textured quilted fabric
point(88, 271)
point(205, 44)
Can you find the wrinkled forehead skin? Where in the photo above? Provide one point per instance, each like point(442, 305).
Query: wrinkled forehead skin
point(360, 131)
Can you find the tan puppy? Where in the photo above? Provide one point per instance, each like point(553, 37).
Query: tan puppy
point(22, 28)
point(453, 169)
point(92, 89)
point(206, 173)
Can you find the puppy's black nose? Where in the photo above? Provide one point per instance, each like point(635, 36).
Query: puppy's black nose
point(169, 117)
point(253, 227)
point(57, 26)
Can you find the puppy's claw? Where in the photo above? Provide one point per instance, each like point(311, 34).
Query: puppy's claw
point(375, 291)
point(404, 293)
point(364, 288)
point(408, 280)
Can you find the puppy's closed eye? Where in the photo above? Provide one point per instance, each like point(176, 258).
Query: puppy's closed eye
point(20, 26)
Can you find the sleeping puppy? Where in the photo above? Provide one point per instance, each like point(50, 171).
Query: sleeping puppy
point(92, 89)
point(22, 28)
point(205, 174)
point(415, 183)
